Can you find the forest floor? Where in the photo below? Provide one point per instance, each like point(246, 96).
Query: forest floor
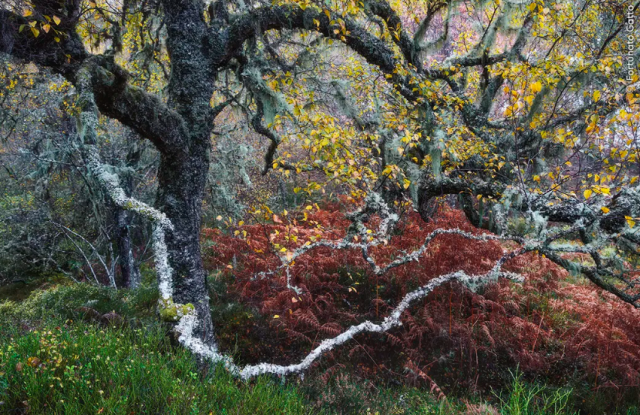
point(59, 357)
point(554, 345)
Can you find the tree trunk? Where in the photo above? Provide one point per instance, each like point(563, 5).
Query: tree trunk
point(180, 192)
point(129, 271)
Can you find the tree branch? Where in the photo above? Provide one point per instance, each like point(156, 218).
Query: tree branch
point(141, 111)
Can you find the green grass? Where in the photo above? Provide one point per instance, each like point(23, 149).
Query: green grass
point(78, 368)
point(69, 367)
point(531, 399)
point(62, 300)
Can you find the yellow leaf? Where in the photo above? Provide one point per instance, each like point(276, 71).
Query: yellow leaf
point(219, 217)
point(587, 193)
point(276, 316)
point(35, 32)
point(56, 20)
point(46, 28)
point(604, 209)
point(536, 86)
point(294, 300)
point(27, 13)
point(630, 221)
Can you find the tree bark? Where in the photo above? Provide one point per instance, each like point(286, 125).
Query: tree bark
point(180, 193)
point(183, 170)
point(129, 271)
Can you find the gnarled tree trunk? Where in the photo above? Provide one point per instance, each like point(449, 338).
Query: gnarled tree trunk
point(180, 193)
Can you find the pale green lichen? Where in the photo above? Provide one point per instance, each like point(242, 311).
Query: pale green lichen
point(171, 311)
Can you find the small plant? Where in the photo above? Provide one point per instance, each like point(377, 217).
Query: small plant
point(532, 399)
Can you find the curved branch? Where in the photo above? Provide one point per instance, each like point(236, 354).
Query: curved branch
point(265, 18)
point(256, 122)
point(188, 322)
point(87, 124)
point(383, 9)
point(143, 112)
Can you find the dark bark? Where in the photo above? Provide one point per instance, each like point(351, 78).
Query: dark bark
point(122, 221)
point(183, 172)
point(129, 271)
point(180, 193)
point(430, 188)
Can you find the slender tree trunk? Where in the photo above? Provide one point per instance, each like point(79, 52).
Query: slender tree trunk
point(129, 271)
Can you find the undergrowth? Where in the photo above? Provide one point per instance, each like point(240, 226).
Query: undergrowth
point(555, 328)
point(64, 365)
point(76, 348)
point(79, 368)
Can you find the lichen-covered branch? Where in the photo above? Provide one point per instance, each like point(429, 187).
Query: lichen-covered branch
point(473, 282)
point(362, 238)
point(87, 130)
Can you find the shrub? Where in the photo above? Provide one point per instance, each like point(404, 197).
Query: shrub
point(552, 326)
point(64, 299)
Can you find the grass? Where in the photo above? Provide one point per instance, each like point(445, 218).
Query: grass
point(53, 362)
point(79, 368)
point(531, 399)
